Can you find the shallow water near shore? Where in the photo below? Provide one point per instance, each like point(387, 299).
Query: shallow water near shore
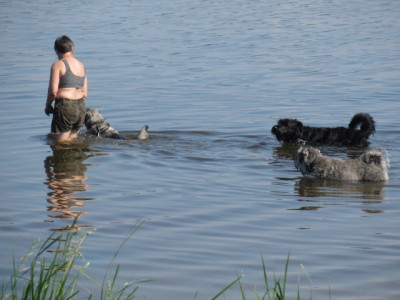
point(214, 188)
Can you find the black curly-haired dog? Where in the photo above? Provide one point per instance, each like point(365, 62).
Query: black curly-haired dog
point(361, 126)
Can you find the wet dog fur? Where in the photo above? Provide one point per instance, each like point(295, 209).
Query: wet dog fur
point(372, 165)
point(96, 124)
point(361, 126)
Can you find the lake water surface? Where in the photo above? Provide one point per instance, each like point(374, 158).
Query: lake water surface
point(214, 188)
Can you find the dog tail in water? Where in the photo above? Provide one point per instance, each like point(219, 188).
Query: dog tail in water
point(364, 122)
point(143, 133)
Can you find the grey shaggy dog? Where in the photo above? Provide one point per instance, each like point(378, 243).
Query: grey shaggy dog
point(372, 165)
point(97, 125)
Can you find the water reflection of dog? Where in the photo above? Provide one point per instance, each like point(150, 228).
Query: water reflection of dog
point(66, 176)
point(370, 191)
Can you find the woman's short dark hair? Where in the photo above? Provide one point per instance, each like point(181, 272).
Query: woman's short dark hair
point(63, 44)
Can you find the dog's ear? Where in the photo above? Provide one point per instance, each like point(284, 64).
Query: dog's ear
point(296, 123)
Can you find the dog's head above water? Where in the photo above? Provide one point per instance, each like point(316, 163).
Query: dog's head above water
point(288, 130)
point(305, 158)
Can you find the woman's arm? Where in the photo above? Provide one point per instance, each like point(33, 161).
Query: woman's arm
point(85, 88)
point(53, 87)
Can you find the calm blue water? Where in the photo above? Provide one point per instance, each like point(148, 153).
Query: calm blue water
point(215, 190)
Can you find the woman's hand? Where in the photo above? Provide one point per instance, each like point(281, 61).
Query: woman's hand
point(49, 109)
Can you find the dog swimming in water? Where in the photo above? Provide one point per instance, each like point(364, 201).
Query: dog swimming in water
point(361, 126)
point(98, 125)
point(372, 165)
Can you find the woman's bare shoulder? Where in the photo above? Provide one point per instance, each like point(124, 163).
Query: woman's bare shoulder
point(57, 65)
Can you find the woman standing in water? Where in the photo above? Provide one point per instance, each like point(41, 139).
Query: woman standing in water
point(68, 88)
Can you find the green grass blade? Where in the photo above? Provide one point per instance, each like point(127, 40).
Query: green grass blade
point(227, 287)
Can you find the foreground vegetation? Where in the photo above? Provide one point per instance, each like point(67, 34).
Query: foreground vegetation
point(276, 291)
point(54, 268)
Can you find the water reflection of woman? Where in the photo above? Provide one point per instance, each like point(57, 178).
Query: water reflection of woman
point(65, 177)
